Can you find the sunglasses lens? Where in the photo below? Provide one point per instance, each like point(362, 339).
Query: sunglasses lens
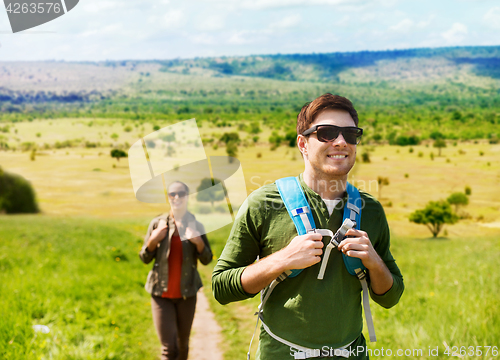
point(180, 193)
point(330, 133)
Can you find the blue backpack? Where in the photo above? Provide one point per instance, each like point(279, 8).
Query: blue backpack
point(299, 210)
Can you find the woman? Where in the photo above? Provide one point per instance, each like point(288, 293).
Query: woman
point(174, 281)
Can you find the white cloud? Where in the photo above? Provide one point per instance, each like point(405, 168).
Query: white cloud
point(286, 22)
point(344, 21)
point(99, 6)
point(211, 23)
point(243, 38)
point(455, 34)
point(403, 26)
point(269, 4)
point(203, 39)
point(173, 19)
point(492, 17)
point(425, 23)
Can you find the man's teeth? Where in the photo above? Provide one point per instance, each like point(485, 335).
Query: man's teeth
point(337, 156)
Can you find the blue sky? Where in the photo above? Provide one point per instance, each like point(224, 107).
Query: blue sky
point(165, 29)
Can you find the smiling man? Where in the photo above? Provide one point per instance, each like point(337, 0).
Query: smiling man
point(305, 317)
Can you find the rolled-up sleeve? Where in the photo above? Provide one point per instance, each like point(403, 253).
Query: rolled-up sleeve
point(382, 246)
point(242, 248)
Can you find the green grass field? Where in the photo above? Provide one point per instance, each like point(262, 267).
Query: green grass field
point(75, 267)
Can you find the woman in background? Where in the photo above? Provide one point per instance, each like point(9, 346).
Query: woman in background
point(176, 241)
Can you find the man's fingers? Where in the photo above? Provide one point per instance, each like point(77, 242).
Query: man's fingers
point(314, 236)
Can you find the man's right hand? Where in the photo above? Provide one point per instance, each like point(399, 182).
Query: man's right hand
point(302, 252)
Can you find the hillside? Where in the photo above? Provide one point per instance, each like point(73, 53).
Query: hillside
point(447, 89)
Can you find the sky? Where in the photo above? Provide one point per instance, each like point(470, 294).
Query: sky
point(98, 30)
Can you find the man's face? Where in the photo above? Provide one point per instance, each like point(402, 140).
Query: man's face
point(331, 159)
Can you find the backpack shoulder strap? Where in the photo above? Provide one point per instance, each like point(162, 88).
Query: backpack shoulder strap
point(355, 266)
point(352, 210)
point(296, 203)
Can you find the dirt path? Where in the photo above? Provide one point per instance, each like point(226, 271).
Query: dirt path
point(205, 335)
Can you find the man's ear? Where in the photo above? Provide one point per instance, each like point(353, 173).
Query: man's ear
point(302, 144)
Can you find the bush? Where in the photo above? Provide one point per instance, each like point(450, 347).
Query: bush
point(204, 209)
point(117, 153)
point(16, 194)
point(403, 140)
point(434, 215)
point(365, 157)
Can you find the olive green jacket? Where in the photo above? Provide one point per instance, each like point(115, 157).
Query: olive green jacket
point(157, 281)
point(303, 310)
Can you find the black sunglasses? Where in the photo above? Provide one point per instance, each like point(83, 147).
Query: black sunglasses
point(180, 193)
point(326, 132)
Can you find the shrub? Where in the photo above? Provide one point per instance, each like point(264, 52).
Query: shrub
point(204, 209)
point(117, 153)
point(403, 140)
point(291, 137)
point(365, 157)
point(230, 137)
point(16, 194)
point(458, 199)
point(434, 215)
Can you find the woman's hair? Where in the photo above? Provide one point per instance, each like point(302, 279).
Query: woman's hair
point(180, 182)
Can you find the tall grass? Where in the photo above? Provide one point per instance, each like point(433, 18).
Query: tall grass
point(451, 297)
point(81, 278)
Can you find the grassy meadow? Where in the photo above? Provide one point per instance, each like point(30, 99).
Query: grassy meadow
point(75, 267)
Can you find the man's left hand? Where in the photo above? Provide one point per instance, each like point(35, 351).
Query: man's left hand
point(358, 245)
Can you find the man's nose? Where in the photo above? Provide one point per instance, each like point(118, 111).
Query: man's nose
point(339, 141)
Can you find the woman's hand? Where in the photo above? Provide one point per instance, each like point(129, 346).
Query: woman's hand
point(194, 237)
point(157, 235)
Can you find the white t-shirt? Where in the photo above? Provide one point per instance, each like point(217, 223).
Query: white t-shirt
point(330, 204)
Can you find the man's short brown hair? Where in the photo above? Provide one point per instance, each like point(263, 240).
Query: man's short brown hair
point(312, 109)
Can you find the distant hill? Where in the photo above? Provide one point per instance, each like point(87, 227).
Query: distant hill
point(454, 90)
point(329, 66)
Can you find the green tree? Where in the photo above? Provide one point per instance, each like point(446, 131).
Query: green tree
point(439, 144)
point(382, 181)
point(230, 137)
point(16, 194)
point(117, 153)
point(291, 137)
point(209, 193)
point(434, 215)
point(168, 137)
point(458, 199)
point(232, 150)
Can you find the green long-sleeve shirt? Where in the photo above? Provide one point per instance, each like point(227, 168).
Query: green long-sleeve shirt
point(303, 310)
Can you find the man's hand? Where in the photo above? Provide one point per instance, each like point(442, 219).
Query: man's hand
point(358, 245)
point(302, 252)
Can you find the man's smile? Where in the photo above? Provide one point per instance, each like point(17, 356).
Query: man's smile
point(337, 156)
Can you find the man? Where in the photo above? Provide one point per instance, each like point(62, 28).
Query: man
point(316, 314)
